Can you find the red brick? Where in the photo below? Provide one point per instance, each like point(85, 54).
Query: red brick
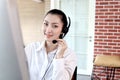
point(117, 6)
point(108, 0)
point(108, 47)
point(108, 6)
point(104, 3)
point(107, 31)
point(112, 44)
point(108, 20)
point(97, 39)
point(99, 0)
point(103, 30)
point(106, 53)
point(103, 10)
point(113, 3)
point(112, 24)
point(98, 33)
point(99, 20)
point(113, 10)
point(116, 47)
point(117, 34)
point(103, 16)
point(99, 6)
point(112, 31)
point(116, 41)
point(107, 34)
point(99, 27)
point(102, 43)
point(103, 23)
point(108, 27)
point(102, 50)
point(108, 40)
point(112, 37)
point(113, 16)
point(117, 13)
point(111, 50)
point(109, 13)
point(117, 20)
point(99, 13)
point(117, 27)
point(102, 37)
point(98, 46)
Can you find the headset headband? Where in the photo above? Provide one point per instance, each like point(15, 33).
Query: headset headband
point(67, 27)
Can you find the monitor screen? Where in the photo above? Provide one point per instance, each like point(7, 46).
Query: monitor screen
point(12, 58)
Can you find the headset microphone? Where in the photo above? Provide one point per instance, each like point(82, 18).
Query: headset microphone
point(54, 41)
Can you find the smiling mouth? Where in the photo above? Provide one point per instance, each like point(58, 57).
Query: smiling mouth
point(48, 36)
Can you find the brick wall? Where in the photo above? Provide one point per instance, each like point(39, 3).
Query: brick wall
point(107, 31)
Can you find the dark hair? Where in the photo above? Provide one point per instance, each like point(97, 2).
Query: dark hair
point(63, 17)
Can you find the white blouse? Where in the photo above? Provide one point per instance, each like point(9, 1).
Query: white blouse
point(43, 66)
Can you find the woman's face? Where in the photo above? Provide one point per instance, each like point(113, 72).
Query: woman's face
point(52, 27)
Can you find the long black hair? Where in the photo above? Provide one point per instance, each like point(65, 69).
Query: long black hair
point(63, 17)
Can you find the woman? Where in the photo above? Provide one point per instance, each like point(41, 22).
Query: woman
point(51, 59)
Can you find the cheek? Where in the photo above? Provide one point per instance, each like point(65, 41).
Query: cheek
point(58, 32)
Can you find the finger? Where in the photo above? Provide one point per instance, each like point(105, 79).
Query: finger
point(61, 41)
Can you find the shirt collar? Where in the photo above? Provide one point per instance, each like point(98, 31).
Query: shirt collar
point(41, 46)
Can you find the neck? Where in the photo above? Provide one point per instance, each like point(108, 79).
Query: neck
point(50, 46)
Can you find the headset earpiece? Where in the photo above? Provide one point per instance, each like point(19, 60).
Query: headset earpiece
point(65, 30)
point(61, 36)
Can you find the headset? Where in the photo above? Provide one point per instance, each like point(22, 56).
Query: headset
point(65, 29)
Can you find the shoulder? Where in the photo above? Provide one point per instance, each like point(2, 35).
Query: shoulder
point(33, 45)
point(31, 48)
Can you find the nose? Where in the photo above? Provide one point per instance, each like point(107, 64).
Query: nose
point(48, 29)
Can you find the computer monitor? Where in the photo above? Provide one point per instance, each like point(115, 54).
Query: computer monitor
point(12, 56)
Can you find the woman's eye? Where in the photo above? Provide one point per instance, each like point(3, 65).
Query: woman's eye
point(46, 24)
point(55, 26)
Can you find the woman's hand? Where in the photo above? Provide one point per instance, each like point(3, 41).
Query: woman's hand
point(62, 46)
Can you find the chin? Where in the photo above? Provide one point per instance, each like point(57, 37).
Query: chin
point(49, 40)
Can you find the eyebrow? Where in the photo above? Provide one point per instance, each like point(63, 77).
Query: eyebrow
point(52, 23)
